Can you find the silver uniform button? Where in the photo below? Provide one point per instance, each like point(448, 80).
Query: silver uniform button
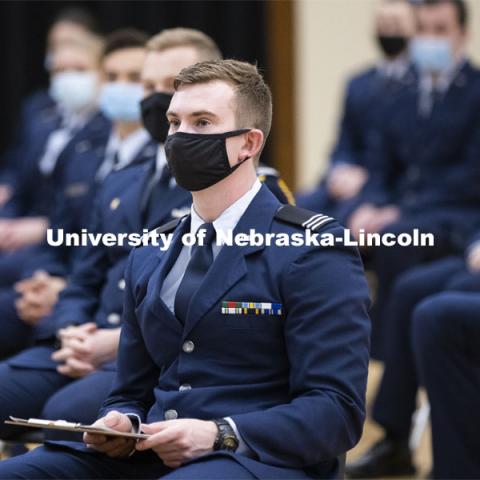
point(184, 387)
point(113, 319)
point(188, 346)
point(171, 414)
point(121, 284)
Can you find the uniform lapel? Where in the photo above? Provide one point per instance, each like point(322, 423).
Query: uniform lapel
point(133, 196)
point(230, 266)
point(167, 259)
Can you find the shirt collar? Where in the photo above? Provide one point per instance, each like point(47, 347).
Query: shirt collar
point(74, 121)
point(128, 148)
point(444, 80)
point(394, 69)
point(230, 216)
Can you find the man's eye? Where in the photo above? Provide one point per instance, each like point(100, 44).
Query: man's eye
point(202, 122)
point(174, 123)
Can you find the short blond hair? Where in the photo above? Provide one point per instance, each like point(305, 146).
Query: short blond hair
point(253, 97)
point(185, 37)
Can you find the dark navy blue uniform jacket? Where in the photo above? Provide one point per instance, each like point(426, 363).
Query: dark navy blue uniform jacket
point(431, 162)
point(293, 383)
point(369, 98)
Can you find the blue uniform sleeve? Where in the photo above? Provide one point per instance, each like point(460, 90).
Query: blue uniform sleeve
point(79, 301)
point(327, 338)
point(137, 374)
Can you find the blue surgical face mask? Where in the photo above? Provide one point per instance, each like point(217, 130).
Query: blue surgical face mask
point(74, 91)
point(432, 55)
point(121, 101)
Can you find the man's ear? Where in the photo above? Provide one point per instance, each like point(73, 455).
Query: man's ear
point(253, 144)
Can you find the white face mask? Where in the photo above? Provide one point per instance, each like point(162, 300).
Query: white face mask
point(74, 91)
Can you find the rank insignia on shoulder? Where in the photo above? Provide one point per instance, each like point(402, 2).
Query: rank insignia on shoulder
point(302, 218)
point(165, 228)
point(180, 212)
point(251, 308)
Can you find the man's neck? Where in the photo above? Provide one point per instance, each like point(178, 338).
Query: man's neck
point(213, 201)
point(124, 129)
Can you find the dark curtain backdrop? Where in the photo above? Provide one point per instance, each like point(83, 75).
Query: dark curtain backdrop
point(238, 26)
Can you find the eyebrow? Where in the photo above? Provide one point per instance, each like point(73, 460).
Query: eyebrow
point(199, 113)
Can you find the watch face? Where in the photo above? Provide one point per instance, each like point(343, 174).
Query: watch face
point(230, 442)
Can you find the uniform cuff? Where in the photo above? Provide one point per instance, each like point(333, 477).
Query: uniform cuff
point(243, 448)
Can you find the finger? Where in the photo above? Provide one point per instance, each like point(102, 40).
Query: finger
point(80, 366)
point(89, 327)
point(33, 298)
point(121, 451)
point(114, 443)
point(94, 439)
point(62, 354)
point(155, 426)
point(164, 437)
point(117, 421)
point(172, 463)
point(168, 449)
point(23, 285)
point(79, 346)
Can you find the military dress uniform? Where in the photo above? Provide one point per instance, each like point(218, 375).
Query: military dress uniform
point(130, 202)
point(370, 96)
point(75, 187)
point(274, 338)
point(41, 194)
point(429, 167)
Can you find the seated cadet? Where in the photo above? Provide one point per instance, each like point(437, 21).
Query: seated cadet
point(369, 95)
point(430, 153)
point(84, 171)
point(224, 393)
point(97, 281)
point(75, 87)
point(446, 336)
point(395, 402)
point(38, 110)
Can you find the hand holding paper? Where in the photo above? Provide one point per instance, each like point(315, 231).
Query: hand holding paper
point(115, 447)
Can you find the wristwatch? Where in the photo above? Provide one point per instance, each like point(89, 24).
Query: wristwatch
point(226, 438)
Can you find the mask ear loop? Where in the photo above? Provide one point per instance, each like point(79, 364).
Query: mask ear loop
point(239, 132)
point(232, 169)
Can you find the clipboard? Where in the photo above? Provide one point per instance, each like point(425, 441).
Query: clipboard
point(72, 427)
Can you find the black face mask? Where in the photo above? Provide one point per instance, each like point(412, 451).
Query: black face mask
point(198, 161)
point(392, 45)
point(154, 109)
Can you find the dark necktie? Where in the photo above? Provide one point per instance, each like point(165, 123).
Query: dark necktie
point(197, 268)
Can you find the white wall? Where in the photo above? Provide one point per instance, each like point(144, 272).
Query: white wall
point(333, 40)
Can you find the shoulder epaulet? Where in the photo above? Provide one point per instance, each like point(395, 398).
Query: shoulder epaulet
point(169, 226)
point(165, 228)
point(263, 171)
point(302, 218)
